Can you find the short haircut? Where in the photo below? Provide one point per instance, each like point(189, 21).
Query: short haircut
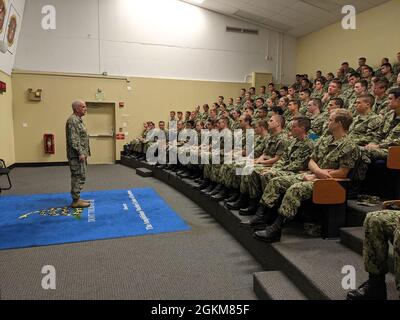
point(338, 82)
point(395, 92)
point(362, 58)
point(271, 84)
point(382, 82)
point(247, 118)
point(345, 63)
point(222, 97)
point(262, 99)
point(339, 102)
point(369, 98)
point(296, 102)
point(206, 106)
point(355, 74)
point(262, 123)
point(307, 91)
point(285, 88)
point(252, 88)
point(263, 87)
point(306, 80)
point(369, 68)
point(180, 112)
point(330, 74)
point(344, 117)
point(238, 111)
point(317, 102)
point(159, 122)
point(265, 109)
point(387, 65)
point(364, 83)
point(277, 110)
point(224, 119)
point(286, 100)
point(280, 119)
point(250, 108)
point(303, 122)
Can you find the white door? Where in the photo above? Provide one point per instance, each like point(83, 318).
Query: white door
point(100, 123)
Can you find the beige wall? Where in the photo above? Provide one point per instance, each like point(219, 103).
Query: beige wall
point(376, 36)
point(7, 152)
point(149, 99)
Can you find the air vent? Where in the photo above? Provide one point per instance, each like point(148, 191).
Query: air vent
point(242, 30)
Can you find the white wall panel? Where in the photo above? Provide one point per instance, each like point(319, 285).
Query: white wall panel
point(151, 38)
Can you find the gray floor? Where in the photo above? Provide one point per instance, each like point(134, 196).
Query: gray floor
point(204, 263)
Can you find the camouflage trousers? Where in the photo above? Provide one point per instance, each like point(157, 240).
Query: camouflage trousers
point(256, 182)
point(378, 154)
point(78, 177)
point(137, 146)
point(294, 189)
point(380, 228)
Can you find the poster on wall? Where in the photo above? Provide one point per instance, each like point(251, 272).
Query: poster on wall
point(11, 33)
point(3, 15)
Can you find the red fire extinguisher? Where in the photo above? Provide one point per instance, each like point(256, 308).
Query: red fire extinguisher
point(49, 144)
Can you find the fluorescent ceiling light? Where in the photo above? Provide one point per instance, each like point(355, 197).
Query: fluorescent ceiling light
point(197, 1)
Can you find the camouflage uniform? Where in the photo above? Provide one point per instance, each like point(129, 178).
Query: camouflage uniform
point(317, 123)
point(396, 69)
point(275, 146)
point(294, 160)
point(340, 95)
point(380, 105)
point(77, 145)
point(388, 135)
point(328, 154)
point(364, 128)
point(317, 94)
point(228, 171)
point(380, 228)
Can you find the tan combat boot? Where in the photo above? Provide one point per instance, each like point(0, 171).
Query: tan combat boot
point(80, 204)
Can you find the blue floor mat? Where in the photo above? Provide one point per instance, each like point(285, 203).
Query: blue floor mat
point(40, 220)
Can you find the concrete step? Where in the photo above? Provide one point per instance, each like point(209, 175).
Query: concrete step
point(315, 267)
point(353, 239)
point(356, 213)
point(274, 285)
point(143, 172)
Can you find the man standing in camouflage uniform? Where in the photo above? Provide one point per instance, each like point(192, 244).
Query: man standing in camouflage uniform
point(77, 152)
point(380, 228)
point(333, 158)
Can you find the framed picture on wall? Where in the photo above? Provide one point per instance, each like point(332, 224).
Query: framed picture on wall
point(3, 16)
point(11, 33)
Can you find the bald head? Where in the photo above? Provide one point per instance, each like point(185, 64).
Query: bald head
point(79, 108)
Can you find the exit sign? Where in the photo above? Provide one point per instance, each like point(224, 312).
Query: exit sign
point(3, 87)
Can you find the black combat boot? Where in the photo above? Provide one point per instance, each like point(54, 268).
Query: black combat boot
point(210, 188)
point(260, 218)
point(273, 232)
point(242, 202)
point(235, 195)
point(251, 209)
point(218, 188)
point(225, 192)
point(372, 289)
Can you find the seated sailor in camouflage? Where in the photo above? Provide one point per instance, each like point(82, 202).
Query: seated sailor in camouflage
point(380, 228)
point(318, 91)
point(332, 158)
point(275, 146)
point(334, 91)
point(235, 123)
point(366, 123)
point(304, 99)
point(387, 72)
point(349, 94)
point(360, 88)
point(294, 107)
point(77, 152)
point(317, 118)
point(229, 177)
point(136, 144)
point(389, 133)
point(380, 85)
point(294, 160)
